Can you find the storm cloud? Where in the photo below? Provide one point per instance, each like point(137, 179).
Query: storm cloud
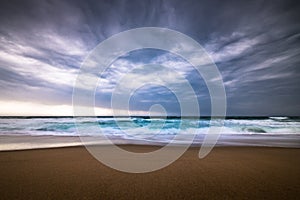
point(255, 45)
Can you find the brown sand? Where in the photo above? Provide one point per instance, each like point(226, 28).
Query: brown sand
point(226, 173)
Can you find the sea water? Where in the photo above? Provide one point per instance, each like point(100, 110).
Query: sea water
point(39, 132)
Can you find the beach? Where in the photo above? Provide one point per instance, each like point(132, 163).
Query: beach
point(226, 173)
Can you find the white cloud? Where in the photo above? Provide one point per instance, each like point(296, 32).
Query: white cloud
point(123, 67)
point(12, 108)
point(232, 50)
point(37, 69)
point(19, 108)
point(22, 57)
point(267, 63)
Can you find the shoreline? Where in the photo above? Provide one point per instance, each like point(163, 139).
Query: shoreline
point(158, 146)
point(227, 172)
point(23, 142)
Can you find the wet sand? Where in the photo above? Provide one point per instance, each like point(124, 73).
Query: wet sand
point(226, 173)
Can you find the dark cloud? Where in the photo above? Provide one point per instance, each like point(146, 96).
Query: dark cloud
point(256, 46)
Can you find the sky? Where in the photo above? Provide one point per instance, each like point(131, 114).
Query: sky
point(254, 44)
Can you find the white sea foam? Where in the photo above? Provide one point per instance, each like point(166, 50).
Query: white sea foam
point(277, 131)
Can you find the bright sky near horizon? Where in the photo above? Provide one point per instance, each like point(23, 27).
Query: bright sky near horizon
point(255, 45)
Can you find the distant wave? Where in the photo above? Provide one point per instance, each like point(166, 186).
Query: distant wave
point(126, 126)
point(56, 131)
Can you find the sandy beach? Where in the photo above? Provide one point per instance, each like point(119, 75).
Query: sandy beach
point(227, 173)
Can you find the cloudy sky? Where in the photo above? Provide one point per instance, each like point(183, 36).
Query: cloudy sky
point(255, 45)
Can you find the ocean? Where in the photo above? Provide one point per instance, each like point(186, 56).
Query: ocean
point(44, 132)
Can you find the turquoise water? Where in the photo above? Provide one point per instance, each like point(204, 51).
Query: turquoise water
point(263, 131)
point(66, 126)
